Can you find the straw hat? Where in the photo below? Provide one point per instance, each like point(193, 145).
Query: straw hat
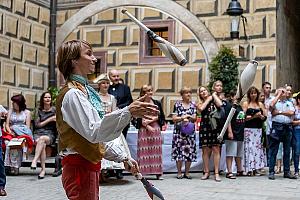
point(101, 77)
point(296, 94)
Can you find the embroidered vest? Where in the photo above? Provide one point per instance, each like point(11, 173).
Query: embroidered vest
point(69, 138)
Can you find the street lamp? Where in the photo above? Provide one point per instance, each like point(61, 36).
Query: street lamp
point(235, 11)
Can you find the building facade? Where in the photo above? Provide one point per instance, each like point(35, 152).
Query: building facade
point(118, 42)
point(24, 31)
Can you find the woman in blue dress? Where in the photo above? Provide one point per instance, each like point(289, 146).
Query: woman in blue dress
point(17, 125)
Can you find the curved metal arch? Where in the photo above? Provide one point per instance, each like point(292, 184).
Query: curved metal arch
point(184, 16)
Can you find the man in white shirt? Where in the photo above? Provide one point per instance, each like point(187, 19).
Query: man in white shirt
point(266, 89)
point(281, 131)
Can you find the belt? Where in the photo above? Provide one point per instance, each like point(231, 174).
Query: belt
point(282, 124)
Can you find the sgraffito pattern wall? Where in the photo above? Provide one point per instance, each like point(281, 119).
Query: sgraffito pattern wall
point(24, 30)
point(111, 31)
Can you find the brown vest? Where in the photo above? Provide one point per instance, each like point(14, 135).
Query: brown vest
point(69, 138)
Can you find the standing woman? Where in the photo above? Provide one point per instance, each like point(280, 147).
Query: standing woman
point(17, 125)
point(45, 131)
point(254, 157)
point(149, 147)
point(209, 130)
point(296, 138)
point(184, 144)
point(218, 88)
point(109, 104)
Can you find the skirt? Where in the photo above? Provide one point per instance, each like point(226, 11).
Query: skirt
point(149, 152)
point(254, 156)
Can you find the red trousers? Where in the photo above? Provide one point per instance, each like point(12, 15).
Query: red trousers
point(80, 178)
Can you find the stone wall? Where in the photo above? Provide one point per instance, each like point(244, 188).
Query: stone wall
point(111, 31)
point(260, 29)
point(24, 30)
point(288, 42)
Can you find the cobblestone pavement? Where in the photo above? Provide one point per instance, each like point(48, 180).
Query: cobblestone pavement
point(26, 186)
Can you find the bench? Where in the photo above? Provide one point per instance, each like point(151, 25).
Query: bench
point(51, 152)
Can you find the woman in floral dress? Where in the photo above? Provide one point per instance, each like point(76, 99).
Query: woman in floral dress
point(296, 138)
point(184, 145)
point(254, 157)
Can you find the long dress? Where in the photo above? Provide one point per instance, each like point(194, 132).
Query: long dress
point(183, 146)
point(149, 144)
point(149, 151)
point(110, 106)
point(254, 157)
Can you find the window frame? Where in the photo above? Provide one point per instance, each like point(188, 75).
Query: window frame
point(102, 55)
point(145, 59)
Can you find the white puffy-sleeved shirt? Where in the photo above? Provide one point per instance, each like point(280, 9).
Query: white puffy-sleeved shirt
point(79, 113)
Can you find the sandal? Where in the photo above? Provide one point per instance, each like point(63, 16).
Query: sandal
point(3, 192)
point(217, 177)
point(187, 176)
point(257, 173)
point(250, 173)
point(278, 171)
point(42, 175)
point(205, 176)
point(241, 173)
point(230, 175)
point(179, 176)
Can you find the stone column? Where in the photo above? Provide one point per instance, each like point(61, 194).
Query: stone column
point(288, 43)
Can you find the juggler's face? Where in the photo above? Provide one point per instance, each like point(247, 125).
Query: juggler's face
point(87, 60)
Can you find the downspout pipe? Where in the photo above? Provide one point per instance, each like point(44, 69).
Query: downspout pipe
point(52, 42)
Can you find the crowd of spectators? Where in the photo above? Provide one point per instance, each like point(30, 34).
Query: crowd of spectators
point(261, 126)
point(262, 133)
point(261, 123)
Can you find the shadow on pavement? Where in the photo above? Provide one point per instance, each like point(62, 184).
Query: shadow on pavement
point(113, 181)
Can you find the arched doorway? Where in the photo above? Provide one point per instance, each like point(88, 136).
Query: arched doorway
point(190, 21)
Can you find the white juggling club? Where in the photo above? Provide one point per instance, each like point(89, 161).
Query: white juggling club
point(166, 47)
point(246, 80)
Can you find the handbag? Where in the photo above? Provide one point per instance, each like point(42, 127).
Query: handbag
point(187, 128)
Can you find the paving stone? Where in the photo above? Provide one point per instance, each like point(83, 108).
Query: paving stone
point(27, 186)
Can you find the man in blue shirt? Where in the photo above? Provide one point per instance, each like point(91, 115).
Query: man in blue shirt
point(282, 117)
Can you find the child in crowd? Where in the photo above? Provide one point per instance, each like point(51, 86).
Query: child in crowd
point(234, 140)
